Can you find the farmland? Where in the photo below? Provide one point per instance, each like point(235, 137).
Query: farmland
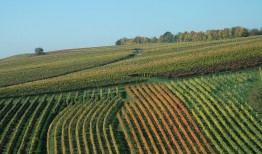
point(186, 97)
point(162, 60)
point(26, 122)
point(222, 112)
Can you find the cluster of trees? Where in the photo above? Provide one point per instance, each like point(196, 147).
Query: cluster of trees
point(136, 40)
point(225, 33)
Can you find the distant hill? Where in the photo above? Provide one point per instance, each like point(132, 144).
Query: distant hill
point(15, 57)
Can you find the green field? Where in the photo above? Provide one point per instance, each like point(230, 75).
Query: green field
point(88, 68)
point(187, 97)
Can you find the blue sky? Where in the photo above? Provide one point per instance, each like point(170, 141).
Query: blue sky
point(63, 24)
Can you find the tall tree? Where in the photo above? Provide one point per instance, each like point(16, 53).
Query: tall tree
point(167, 37)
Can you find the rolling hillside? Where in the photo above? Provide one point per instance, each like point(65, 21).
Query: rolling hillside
point(106, 66)
point(188, 97)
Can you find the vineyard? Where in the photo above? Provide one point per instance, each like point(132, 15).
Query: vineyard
point(100, 67)
point(26, 122)
point(160, 123)
point(53, 65)
point(188, 97)
point(218, 104)
point(85, 127)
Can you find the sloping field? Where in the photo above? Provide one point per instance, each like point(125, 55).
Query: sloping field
point(152, 98)
point(51, 65)
point(219, 106)
point(85, 128)
point(160, 123)
point(163, 60)
point(26, 122)
point(207, 114)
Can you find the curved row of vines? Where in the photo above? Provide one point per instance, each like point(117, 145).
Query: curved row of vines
point(85, 127)
point(24, 121)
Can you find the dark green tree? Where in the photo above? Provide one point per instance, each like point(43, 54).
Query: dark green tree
point(167, 37)
point(39, 51)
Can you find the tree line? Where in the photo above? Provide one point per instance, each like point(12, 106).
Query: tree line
point(168, 37)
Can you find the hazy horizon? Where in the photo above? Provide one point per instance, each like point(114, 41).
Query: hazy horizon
point(55, 25)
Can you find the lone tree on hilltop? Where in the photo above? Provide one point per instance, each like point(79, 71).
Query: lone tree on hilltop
point(39, 51)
